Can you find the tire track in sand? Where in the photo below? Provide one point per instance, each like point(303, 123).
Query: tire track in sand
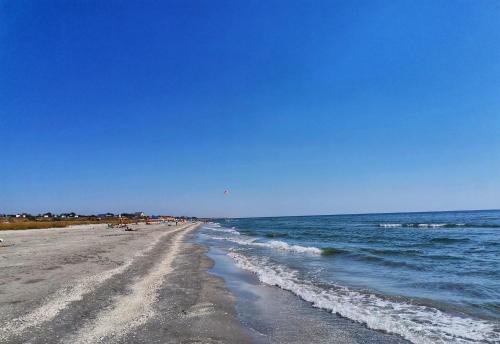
point(65, 296)
point(134, 309)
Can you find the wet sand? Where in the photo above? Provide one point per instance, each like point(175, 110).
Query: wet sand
point(92, 284)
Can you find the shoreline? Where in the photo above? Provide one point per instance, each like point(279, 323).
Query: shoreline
point(93, 284)
point(89, 285)
point(396, 282)
point(275, 315)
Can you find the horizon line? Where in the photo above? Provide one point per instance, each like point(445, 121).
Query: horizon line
point(370, 213)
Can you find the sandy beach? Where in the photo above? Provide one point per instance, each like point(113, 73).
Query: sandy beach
point(92, 284)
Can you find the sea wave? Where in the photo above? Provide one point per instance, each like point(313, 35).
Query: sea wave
point(391, 225)
point(283, 246)
point(275, 235)
point(439, 225)
point(421, 225)
point(241, 240)
point(213, 224)
point(277, 245)
point(394, 252)
point(416, 323)
point(218, 228)
point(449, 240)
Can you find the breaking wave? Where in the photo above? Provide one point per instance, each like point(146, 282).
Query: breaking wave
point(439, 225)
point(421, 225)
point(417, 323)
point(217, 228)
point(283, 246)
point(277, 245)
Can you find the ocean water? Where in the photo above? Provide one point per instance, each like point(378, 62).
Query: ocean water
point(427, 277)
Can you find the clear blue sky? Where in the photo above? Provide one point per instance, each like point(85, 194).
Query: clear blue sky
point(297, 107)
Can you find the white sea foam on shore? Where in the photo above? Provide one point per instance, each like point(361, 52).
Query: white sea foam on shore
point(419, 324)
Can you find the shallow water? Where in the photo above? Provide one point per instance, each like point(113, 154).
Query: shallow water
point(275, 316)
point(424, 276)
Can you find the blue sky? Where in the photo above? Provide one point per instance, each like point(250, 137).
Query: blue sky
point(297, 107)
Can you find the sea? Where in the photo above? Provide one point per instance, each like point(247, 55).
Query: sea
point(428, 277)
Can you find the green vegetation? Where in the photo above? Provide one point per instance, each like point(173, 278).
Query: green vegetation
point(14, 224)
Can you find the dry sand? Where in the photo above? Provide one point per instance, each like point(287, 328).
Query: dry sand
point(92, 284)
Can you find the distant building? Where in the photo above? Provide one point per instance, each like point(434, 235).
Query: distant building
point(106, 215)
point(135, 215)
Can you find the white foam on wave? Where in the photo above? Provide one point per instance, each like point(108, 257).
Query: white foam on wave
point(218, 228)
point(432, 225)
point(421, 225)
point(238, 240)
point(418, 324)
point(273, 244)
point(226, 230)
point(283, 246)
